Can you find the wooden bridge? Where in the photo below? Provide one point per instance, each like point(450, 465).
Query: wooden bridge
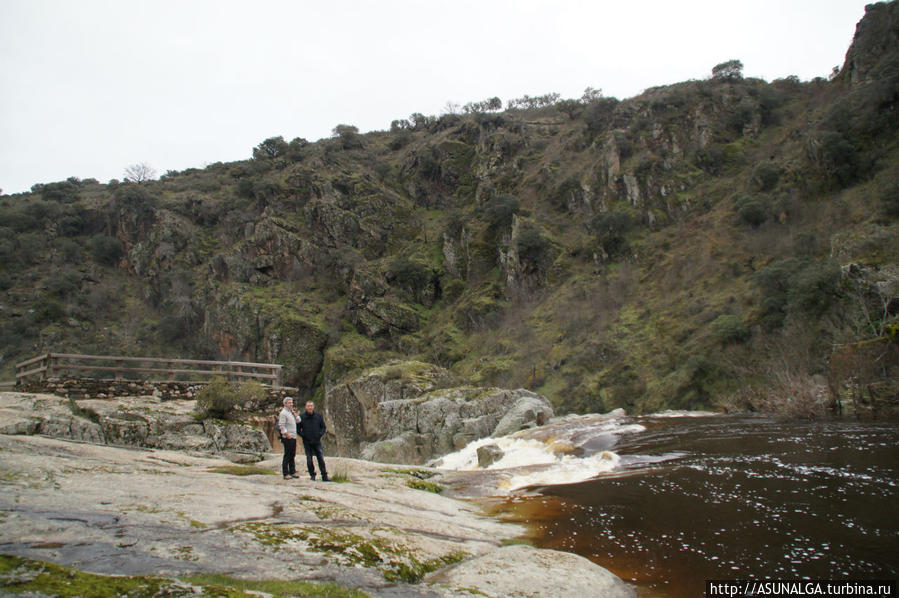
point(55, 365)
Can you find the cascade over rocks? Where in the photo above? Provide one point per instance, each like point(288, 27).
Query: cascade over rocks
point(403, 413)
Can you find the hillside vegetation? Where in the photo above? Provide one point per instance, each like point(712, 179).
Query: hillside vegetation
point(728, 243)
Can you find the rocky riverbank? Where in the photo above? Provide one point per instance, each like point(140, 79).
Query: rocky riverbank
point(385, 530)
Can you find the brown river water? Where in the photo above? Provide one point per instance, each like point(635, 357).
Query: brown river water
point(668, 501)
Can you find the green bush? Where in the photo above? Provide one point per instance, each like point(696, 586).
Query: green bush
point(349, 136)
point(106, 250)
point(220, 399)
point(498, 212)
point(791, 286)
point(410, 273)
point(69, 250)
point(70, 225)
point(711, 159)
point(64, 284)
point(751, 210)
point(533, 250)
point(62, 192)
point(765, 176)
point(729, 329)
point(815, 288)
point(732, 70)
point(599, 115)
point(272, 147)
point(837, 158)
point(611, 229)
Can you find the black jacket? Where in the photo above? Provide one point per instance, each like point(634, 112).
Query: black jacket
point(312, 427)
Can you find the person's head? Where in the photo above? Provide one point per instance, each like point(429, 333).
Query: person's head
point(310, 406)
point(288, 402)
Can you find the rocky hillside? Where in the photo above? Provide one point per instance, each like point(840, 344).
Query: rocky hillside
point(728, 242)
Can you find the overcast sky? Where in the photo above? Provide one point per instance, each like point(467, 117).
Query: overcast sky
point(89, 87)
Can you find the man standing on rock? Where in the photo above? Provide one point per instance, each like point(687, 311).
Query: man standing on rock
point(312, 428)
point(287, 423)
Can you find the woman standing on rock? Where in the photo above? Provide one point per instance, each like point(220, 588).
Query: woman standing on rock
point(287, 423)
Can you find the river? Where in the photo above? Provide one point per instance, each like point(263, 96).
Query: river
point(671, 500)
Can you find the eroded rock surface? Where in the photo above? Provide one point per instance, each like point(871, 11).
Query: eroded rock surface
point(404, 413)
point(143, 421)
point(114, 510)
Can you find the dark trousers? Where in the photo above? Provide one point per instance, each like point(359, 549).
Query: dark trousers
point(288, 467)
point(315, 448)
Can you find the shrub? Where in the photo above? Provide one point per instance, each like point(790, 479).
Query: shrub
point(729, 329)
point(611, 229)
point(270, 148)
point(70, 226)
point(106, 250)
point(498, 212)
point(533, 250)
point(410, 273)
point(64, 284)
point(401, 139)
point(732, 70)
point(220, 399)
point(794, 287)
point(349, 136)
point(599, 115)
point(836, 157)
point(711, 159)
point(245, 188)
point(815, 288)
point(134, 199)
point(69, 250)
point(765, 176)
point(62, 192)
point(751, 210)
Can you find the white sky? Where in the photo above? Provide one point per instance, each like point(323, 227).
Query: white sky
point(89, 87)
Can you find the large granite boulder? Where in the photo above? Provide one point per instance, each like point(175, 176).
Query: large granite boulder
point(399, 414)
point(522, 571)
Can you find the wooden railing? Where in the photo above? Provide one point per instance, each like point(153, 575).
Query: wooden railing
point(53, 365)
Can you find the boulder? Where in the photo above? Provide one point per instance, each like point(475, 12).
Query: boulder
point(488, 455)
point(527, 412)
point(520, 571)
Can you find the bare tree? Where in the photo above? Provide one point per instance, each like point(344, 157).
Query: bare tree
point(138, 173)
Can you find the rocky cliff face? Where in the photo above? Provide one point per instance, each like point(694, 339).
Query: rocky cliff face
point(874, 46)
point(398, 414)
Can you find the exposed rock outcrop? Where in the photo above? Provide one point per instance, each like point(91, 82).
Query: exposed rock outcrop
point(521, 571)
point(874, 45)
point(133, 421)
point(109, 510)
point(400, 414)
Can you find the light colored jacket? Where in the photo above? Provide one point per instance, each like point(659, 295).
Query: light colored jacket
point(287, 423)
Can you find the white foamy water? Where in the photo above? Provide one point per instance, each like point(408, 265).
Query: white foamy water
point(544, 456)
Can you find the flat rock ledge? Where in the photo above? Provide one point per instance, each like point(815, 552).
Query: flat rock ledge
point(384, 530)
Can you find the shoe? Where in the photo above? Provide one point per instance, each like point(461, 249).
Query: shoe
point(312, 477)
point(295, 476)
point(325, 478)
point(287, 477)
